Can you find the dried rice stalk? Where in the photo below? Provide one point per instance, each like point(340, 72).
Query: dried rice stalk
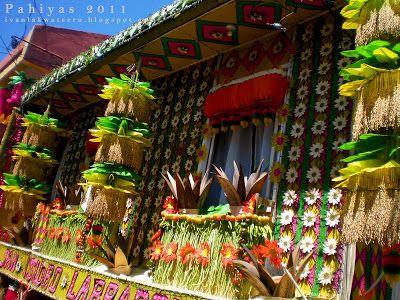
point(136, 107)
point(31, 168)
point(383, 24)
point(107, 204)
point(119, 150)
point(388, 177)
point(372, 216)
point(40, 136)
point(378, 104)
point(20, 202)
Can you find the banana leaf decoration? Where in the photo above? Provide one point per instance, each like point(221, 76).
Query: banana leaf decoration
point(42, 120)
point(111, 176)
point(126, 87)
point(20, 77)
point(372, 153)
point(356, 13)
point(373, 59)
point(123, 127)
point(34, 152)
point(20, 184)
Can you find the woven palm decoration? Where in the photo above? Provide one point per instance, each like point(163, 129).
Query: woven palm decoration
point(372, 179)
point(373, 19)
point(123, 134)
point(34, 159)
point(375, 79)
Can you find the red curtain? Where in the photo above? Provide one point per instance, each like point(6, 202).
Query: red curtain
point(254, 97)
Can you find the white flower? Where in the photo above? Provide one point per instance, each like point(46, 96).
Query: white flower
point(300, 110)
point(330, 246)
point(306, 272)
point(334, 196)
point(332, 217)
point(326, 275)
point(339, 123)
point(318, 127)
point(157, 113)
point(181, 92)
point(167, 109)
point(164, 124)
point(297, 130)
point(339, 142)
point(343, 62)
point(321, 105)
point(294, 153)
point(190, 102)
point(195, 132)
point(326, 49)
point(175, 167)
point(289, 197)
point(161, 184)
point(196, 74)
point(198, 116)
point(160, 140)
point(309, 218)
point(341, 103)
point(183, 136)
point(346, 43)
point(129, 203)
point(324, 68)
point(188, 165)
point(322, 88)
point(287, 217)
point(175, 121)
point(203, 86)
point(200, 101)
point(313, 174)
point(327, 29)
point(186, 118)
point(64, 282)
point(167, 153)
point(192, 89)
point(304, 74)
point(126, 218)
point(307, 244)
point(18, 266)
point(191, 149)
point(291, 175)
point(302, 92)
point(170, 96)
point(285, 242)
point(306, 54)
point(316, 150)
point(307, 35)
point(312, 196)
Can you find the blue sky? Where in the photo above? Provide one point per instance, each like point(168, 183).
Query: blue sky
point(86, 15)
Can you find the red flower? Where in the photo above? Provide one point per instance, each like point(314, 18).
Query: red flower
point(203, 254)
point(170, 205)
point(66, 237)
point(156, 250)
point(58, 233)
point(250, 205)
point(94, 241)
point(257, 252)
point(156, 236)
point(229, 253)
point(169, 252)
point(272, 251)
point(187, 253)
point(51, 233)
point(79, 236)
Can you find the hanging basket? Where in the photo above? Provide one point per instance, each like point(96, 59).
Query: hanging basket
point(107, 204)
point(120, 150)
point(31, 168)
point(41, 136)
point(371, 216)
point(378, 104)
point(136, 107)
point(383, 24)
point(20, 202)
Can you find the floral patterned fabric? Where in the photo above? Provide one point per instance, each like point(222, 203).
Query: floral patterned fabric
point(318, 123)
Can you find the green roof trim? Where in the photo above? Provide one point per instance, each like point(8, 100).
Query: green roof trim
point(106, 47)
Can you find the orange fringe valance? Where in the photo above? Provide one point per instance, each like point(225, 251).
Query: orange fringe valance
point(256, 97)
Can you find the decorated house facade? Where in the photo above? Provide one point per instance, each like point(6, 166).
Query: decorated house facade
point(203, 153)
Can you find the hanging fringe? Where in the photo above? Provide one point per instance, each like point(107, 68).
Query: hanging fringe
point(371, 181)
point(383, 24)
point(371, 216)
point(107, 204)
point(378, 104)
point(40, 136)
point(20, 202)
point(119, 150)
point(136, 107)
point(31, 168)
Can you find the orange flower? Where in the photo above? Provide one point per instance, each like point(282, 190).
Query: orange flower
point(250, 205)
point(272, 251)
point(79, 236)
point(156, 250)
point(94, 241)
point(66, 237)
point(187, 253)
point(169, 252)
point(170, 205)
point(203, 254)
point(229, 253)
point(58, 233)
point(51, 233)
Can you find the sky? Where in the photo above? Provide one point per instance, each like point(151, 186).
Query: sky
point(17, 17)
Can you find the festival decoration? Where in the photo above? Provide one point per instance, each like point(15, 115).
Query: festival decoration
point(374, 79)
point(122, 135)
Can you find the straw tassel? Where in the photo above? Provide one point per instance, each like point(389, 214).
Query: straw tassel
point(31, 168)
point(107, 204)
point(388, 177)
point(383, 24)
point(20, 202)
point(36, 135)
point(130, 106)
point(371, 216)
point(378, 104)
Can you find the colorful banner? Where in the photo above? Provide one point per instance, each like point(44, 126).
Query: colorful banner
point(61, 280)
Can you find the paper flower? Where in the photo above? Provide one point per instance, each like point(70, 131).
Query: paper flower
point(285, 242)
point(324, 68)
point(169, 252)
point(291, 175)
point(300, 110)
point(203, 254)
point(229, 253)
point(339, 123)
point(187, 253)
point(330, 246)
point(289, 197)
point(294, 153)
point(313, 174)
point(316, 150)
point(332, 217)
point(326, 275)
point(321, 105)
point(334, 196)
point(341, 103)
point(302, 92)
point(318, 128)
point(287, 216)
point(156, 250)
point(276, 172)
point(306, 272)
point(297, 130)
point(312, 196)
point(278, 141)
point(307, 244)
point(326, 49)
point(309, 218)
point(283, 113)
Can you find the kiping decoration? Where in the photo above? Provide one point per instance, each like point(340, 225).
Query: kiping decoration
point(123, 134)
point(375, 79)
point(372, 180)
point(372, 19)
